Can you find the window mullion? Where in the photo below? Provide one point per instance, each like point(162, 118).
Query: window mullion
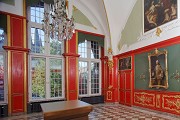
point(89, 79)
point(89, 66)
point(47, 79)
point(47, 47)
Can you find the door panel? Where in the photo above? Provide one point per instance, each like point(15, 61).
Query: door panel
point(125, 87)
point(122, 97)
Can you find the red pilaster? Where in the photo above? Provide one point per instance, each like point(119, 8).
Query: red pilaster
point(104, 74)
point(16, 64)
point(115, 79)
point(71, 68)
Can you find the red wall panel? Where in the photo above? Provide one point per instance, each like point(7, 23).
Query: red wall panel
point(17, 81)
point(17, 104)
point(128, 80)
point(122, 80)
point(158, 100)
point(122, 97)
point(72, 45)
point(18, 73)
point(128, 97)
point(17, 32)
point(72, 73)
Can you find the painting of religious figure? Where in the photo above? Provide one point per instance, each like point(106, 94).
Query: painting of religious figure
point(125, 63)
point(158, 12)
point(158, 69)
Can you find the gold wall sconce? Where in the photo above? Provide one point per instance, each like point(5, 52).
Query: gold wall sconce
point(142, 76)
point(176, 76)
point(110, 58)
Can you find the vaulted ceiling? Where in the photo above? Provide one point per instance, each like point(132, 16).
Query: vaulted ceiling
point(108, 16)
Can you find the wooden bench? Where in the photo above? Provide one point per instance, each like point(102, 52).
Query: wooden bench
point(65, 110)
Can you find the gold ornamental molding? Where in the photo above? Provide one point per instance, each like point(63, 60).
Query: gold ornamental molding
point(110, 87)
point(158, 103)
point(171, 102)
point(158, 32)
point(144, 99)
point(109, 95)
point(110, 58)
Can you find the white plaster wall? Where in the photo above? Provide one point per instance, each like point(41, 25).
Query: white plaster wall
point(169, 30)
point(117, 13)
point(17, 9)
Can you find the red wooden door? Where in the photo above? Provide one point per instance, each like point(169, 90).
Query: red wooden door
point(125, 87)
point(121, 88)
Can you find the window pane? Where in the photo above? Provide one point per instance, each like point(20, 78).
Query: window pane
point(1, 38)
point(94, 50)
point(37, 40)
point(1, 78)
point(37, 13)
point(82, 49)
point(55, 47)
point(83, 78)
point(56, 77)
point(94, 78)
point(38, 78)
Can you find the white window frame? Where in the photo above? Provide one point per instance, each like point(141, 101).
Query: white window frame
point(89, 60)
point(47, 57)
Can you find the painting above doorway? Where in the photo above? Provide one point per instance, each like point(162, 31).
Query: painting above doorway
point(158, 12)
point(125, 63)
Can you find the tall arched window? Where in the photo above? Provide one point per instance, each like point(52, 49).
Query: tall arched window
point(46, 71)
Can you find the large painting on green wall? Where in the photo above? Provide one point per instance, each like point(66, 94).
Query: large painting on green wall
point(158, 69)
point(143, 75)
point(158, 12)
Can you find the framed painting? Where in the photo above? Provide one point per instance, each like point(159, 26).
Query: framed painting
point(124, 63)
point(158, 69)
point(158, 12)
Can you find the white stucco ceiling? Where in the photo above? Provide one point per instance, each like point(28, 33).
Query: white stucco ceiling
point(109, 16)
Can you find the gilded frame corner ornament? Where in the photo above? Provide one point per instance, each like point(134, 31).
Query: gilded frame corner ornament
point(158, 70)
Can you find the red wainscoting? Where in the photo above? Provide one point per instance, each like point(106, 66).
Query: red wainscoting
point(158, 100)
point(165, 101)
point(17, 64)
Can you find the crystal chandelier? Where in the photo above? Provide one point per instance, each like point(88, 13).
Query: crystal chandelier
point(56, 23)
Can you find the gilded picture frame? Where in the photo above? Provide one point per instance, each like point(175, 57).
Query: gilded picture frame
point(158, 70)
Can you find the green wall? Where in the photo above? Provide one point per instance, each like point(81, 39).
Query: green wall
point(10, 2)
point(173, 64)
point(133, 27)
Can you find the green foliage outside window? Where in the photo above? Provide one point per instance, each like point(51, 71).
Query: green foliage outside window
point(38, 79)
